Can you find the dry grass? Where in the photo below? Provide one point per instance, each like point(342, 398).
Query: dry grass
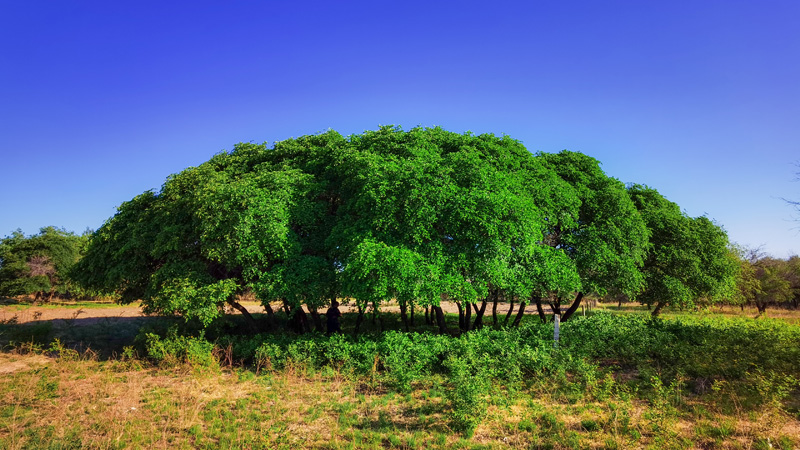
point(77, 401)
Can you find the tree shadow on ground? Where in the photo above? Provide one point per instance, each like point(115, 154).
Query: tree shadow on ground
point(106, 336)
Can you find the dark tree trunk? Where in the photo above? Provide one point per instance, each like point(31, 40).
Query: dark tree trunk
point(540, 310)
point(428, 320)
point(270, 315)
point(315, 317)
point(440, 319)
point(404, 315)
point(479, 313)
point(519, 314)
point(460, 316)
point(251, 323)
point(359, 319)
point(555, 306)
point(494, 309)
point(468, 317)
point(510, 310)
point(299, 320)
point(574, 307)
point(658, 308)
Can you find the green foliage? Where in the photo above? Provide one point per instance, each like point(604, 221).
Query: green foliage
point(608, 238)
point(39, 264)
point(467, 394)
point(391, 215)
point(689, 259)
point(175, 348)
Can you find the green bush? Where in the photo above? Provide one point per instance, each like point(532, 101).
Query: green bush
point(196, 351)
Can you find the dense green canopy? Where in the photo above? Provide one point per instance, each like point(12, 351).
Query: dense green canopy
point(38, 265)
point(413, 216)
point(688, 259)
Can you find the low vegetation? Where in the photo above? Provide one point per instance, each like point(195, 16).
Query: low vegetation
point(613, 381)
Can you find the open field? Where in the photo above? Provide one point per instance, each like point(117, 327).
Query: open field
point(604, 387)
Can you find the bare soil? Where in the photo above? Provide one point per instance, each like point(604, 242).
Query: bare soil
point(90, 315)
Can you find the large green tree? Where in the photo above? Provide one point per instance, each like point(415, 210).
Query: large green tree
point(688, 259)
point(606, 241)
point(388, 215)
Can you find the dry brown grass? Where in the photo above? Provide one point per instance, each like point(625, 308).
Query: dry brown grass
point(117, 404)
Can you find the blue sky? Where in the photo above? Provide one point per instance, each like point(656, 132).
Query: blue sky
point(100, 101)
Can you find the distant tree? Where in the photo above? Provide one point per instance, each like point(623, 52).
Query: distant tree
point(747, 285)
point(688, 258)
point(38, 265)
point(764, 281)
point(793, 276)
point(775, 286)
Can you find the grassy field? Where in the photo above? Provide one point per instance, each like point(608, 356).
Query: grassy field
point(616, 381)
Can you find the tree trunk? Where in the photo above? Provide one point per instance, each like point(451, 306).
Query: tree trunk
point(251, 323)
point(270, 315)
point(574, 307)
point(540, 310)
point(555, 306)
point(428, 320)
point(299, 320)
point(468, 316)
point(494, 310)
point(657, 309)
point(412, 313)
point(359, 319)
point(478, 324)
point(460, 316)
point(315, 317)
point(440, 319)
point(519, 314)
point(510, 310)
point(404, 315)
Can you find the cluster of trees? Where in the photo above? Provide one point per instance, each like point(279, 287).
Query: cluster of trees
point(408, 216)
point(765, 281)
point(39, 265)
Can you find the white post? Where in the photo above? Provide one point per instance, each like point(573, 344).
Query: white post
point(557, 319)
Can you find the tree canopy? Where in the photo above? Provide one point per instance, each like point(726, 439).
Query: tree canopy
point(38, 265)
point(413, 216)
point(688, 259)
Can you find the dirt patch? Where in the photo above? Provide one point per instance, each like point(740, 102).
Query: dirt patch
point(94, 314)
point(15, 363)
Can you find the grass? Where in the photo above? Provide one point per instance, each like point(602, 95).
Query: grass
point(58, 390)
point(76, 401)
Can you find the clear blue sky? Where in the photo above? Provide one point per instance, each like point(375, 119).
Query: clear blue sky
point(102, 100)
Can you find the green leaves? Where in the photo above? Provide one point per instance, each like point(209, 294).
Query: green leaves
point(39, 264)
point(688, 258)
point(384, 215)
